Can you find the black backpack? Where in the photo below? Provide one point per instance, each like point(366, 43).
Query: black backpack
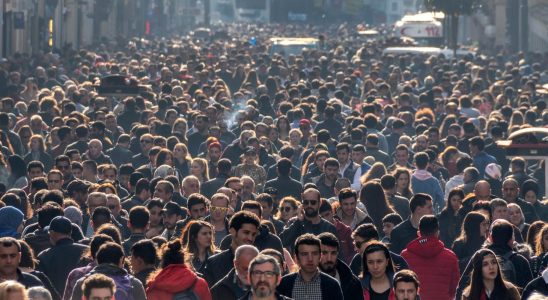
point(187, 294)
point(507, 266)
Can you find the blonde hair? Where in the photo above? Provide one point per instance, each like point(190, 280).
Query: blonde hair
point(203, 164)
point(11, 286)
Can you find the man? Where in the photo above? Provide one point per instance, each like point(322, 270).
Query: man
point(236, 149)
point(142, 194)
point(347, 166)
point(243, 228)
point(309, 282)
point(65, 138)
point(326, 181)
point(81, 144)
point(330, 123)
point(172, 214)
point(284, 152)
point(458, 179)
point(309, 221)
point(55, 180)
point(163, 191)
point(264, 276)
point(510, 193)
point(191, 185)
point(371, 121)
point(143, 259)
point(267, 203)
point(10, 257)
point(211, 186)
point(119, 218)
point(248, 188)
point(402, 159)
point(110, 262)
point(217, 216)
point(138, 223)
point(57, 261)
point(393, 137)
point(437, 266)
point(198, 209)
point(406, 285)
point(141, 159)
point(514, 266)
point(94, 200)
point(399, 203)
point(236, 283)
point(420, 205)
point(332, 265)
point(422, 181)
point(482, 192)
point(348, 212)
point(176, 196)
point(358, 156)
point(201, 125)
point(62, 163)
point(372, 149)
point(98, 287)
point(95, 153)
point(480, 157)
point(539, 285)
point(284, 184)
point(13, 137)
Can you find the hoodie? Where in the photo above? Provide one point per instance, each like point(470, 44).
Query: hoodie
point(422, 181)
point(175, 279)
point(436, 266)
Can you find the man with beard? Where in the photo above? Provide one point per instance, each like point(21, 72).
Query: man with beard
point(332, 265)
point(236, 283)
point(264, 276)
point(308, 221)
point(326, 181)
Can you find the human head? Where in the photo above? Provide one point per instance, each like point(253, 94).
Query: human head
point(428, 226)
point(329, 252)
point(98, 287)
point(311, 202)
point(243, 227)
point(11, 289)
point(502, 233)
point(242, 258)
point(264, 275)
point(10, 256)
point(406, 285)
point(197, 206)
point(420, 205)
point(348, 201)
point(307, 253)
point(499, 209)
point(143, 254)
point(510, 190)
point(376, 260)
point(485, 267)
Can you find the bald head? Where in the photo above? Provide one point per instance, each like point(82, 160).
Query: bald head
point(482, 190)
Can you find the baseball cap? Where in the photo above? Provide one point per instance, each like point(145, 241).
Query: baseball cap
point(172, 208)
point(60, 224)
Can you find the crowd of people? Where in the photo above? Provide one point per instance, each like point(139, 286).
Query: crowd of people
point(338, 173)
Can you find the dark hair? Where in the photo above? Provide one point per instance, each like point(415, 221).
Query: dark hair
point(448, 209)
point(421, 160)
point(393, 218)
point(142, 184)
point(145, 250)
point(252, 204)
point(329, 239)
point(306, 239)
point(419, 200)
point(96, 241)
point(388, 181)
point(112, 231)
point(172, 253)
point(17, 166)
point(35, 164)
point(97, 281)
point(243, 217)
point(47, 212)
point(110, 253)
point(284, 166)
point(264, 197)
point(331, 162)
point(470, 232)
point(347, 193)
point(501, 232)
point(428, 225)
point(196, 199)
point(374, 247)
point(476, 287)
point(28, 260)
point(406, 276)
point(373, 197)
point(190, 233)
point(139, 217)
point(366, 231)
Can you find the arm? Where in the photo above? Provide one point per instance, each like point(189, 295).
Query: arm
point(356, 184)
point(138, 290)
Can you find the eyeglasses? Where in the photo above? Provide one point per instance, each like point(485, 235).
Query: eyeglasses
point(266, 274)
point(286, 208)
point(146, 141)
point(310, 202)
point(219, 208)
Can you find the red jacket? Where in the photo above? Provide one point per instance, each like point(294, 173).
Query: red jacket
point(344, 234)
point(436, 266)
point(174, 279)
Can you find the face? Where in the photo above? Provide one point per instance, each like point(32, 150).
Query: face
point(155, 216)
point(358, 156)
point(196, 169)
point(387, 228)
point(320, 161)
point(114, 205)
point(146, 144)
point(308, 258)
point(170, 220)
point(245, 236)
point(455, 202)
point(161, 192)
point(242, 267)
point(500, 212)
point(287, 211)
point(484, 228)
point(294, 138)
point(191, 187)
point(405, 291)
point(95, 149)
point(327, 215)
point(94, 202)
point(267, 209)
point(328, 259)
point(100, 294)
point(179, 152)
point(403, 181)
point(427, 209)
point(342, 156)
point(264, 280)
point(489, 267)
point(236, 186)
point(348, 206)
point(376, 264)
point(311, 204)
point(510, 191)
point(109, 175)
point(35, 144)
point(331, 172)
point(219, 207)
point(248, 187)
point(530, 197)
point(402, 157)
point(77, 173)
point(214, 153)
point(514, 215)
point(55, 182)
point(64, 167)
point(198, 211)
point(9, 259)
point(35, 172)
point(205, 237)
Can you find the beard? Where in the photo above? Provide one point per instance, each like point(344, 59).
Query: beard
point(328, 268)
point(310, 212)
point(261, 292)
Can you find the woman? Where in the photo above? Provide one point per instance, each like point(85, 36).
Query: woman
point(472, 236)
point(174, 276)
point(487, 281)
point(198, 243)
point(181, 159)
point(283, 127)
point(37, 151)
point(530, 192)
point(17, 170)
point(376, 205)
point(295, 137)
point(449, 160)
point(156, 226)
point(540, 251)
point(199, 168)
point(25, 133)
point(516, 217)
point(288, 209)
point(403, 182)
point(12, 290)
point(250, 167)
point(4, 173)
point(377, 274)
point(376, 172)
point(449, 219)
point(532, 233)
point(28, 264)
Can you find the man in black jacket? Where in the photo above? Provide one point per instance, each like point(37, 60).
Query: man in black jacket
point(236, 283)
point(405, 232)
point(285, 185)
point(331, 265)
point(10, 257)
point(243, 227)
point(57, 261)
point(210, 187)
point(309, 282)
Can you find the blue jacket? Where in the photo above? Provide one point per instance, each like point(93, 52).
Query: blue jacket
point(423, 182)
point(481, 160)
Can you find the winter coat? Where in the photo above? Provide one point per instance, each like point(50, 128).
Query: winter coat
point(174, 279)
point(124, 282)
point(422, 181)
point(436, 266)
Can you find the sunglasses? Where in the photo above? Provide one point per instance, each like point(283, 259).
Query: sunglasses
point(310, 202)
point(146, 141)
point(286, 208)
point(218, 208)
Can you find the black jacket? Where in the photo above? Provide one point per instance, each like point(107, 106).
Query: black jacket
point(119, 155)
point(210, 187)
point(272, 173)
point(401, 205)
point(227, 288)
point(298, 228)
point(57, 261)
point(28, 280)
point(217, 266)
point(286, 186)
point(264, 240)
point(47, 284)
point(538, 285)
point(350, 284)
point(401, 236)
point(331, 289)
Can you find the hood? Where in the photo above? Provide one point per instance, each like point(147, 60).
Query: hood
point(422, 175)
point(109, 270)
point(425, 247)
point(173, 279)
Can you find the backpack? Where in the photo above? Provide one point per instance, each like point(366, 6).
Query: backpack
point(124, 287)
point(187, 294)
point(507, 266)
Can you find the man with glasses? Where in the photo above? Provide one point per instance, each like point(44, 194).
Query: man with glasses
point(146, 142)
point(55, 180)
point(264, 276)
point(309, 220)
point(62, 163)
point(217, 216)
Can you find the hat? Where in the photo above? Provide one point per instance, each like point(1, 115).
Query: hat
point(60, 224)
point(250, 150)
point(493, 171)
point(10, 219)
point(304, 122)
point(78, 185)
point(172, 208)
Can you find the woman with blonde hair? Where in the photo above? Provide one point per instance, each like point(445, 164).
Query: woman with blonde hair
point(289, 208)
point(182, 159)
point(199, 168)
point(12, 290)
point(376, 172)
point(37, 151)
